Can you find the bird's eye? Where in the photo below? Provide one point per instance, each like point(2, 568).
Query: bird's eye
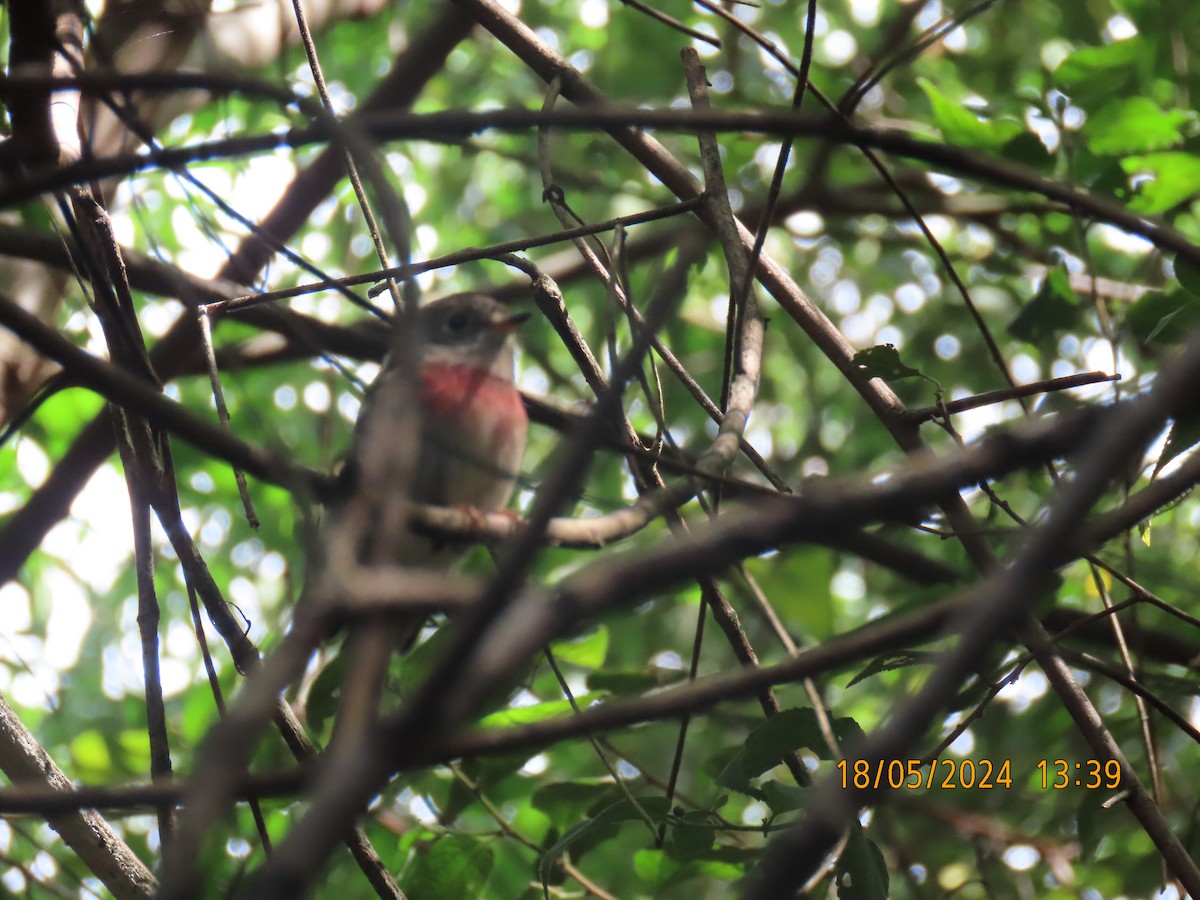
point(457, 322)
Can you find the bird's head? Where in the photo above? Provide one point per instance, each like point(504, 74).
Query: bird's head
point(471, 329)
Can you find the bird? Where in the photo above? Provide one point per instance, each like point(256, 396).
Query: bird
point(473, 422)
point(473, 430)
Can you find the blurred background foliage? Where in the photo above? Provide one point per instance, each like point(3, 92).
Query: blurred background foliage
point(1098, 95)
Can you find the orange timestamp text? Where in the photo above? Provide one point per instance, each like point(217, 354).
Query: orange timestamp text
point(1091, 774)
point(913, 774)
point(968, 774)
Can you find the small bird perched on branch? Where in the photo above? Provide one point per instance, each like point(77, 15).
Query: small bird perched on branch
point(468, 454)
point(473, 422)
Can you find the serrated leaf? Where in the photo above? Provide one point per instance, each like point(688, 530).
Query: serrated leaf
point(861, 869)
point(734, 777)
point(781, 734)
point(775, 738)
point(883, 361)
point(1134, 125)
point(1054, 309)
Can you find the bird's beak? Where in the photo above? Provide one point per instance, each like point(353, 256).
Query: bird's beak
point(509, 324)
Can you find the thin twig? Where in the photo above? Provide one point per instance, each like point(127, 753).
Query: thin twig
point(222, 410)
point(928, 413)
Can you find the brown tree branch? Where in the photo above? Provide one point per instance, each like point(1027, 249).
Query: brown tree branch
point(24, 761)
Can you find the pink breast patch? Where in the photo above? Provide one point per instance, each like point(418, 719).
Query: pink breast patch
point(467, 395)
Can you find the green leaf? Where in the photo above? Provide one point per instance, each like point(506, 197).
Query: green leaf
point(1054, 309)
point(900, 659)
point(325, 692)
point(717, 869)
point(452, 866)
point(1188, 275)
point(567, 800)
point(587, 833)
point(1134, 125)
point(1183, 436)
point(1162, 319)
point(135, 748)
point(861, 869)
point(588, 652)
point(536, 712)
point(89, 750)
point(962, 127)
point(883, 361)
point(783, 798)
point(633, 681)
point(783, 733)
point(484, 773)
point(1092, 826)
point(199, 713)
point(417, 664)
point(1092, 70)
point(691, 837)
point(61, 414)
point(654, 867)
point(1028, 150)
point(734, 777)
point(1171, 179)
point(1101, 174)
point(798, 583)
point(771, 741)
